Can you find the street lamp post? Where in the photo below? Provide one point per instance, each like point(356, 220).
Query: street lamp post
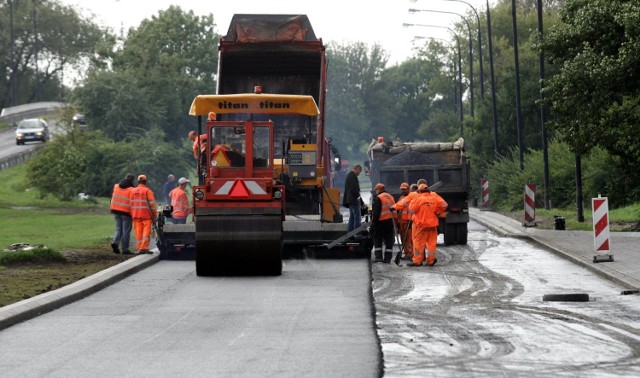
point(413, 10)
point(493, 82)
point(459, 66)
point(545, 148)
point(517, 67)
point(479, 44)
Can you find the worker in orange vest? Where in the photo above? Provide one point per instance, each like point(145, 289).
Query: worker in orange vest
point(382, 224)
point(403, 220)
point(200, 152)
point(121, 210)
point(143, 212)
point(402, 207)
point(425, 209)
point(180, 202)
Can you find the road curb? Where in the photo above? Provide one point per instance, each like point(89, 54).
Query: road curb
point(40, 304)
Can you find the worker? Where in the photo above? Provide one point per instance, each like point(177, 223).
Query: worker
point(199, 144)
point(180, 202)
point(168, 187)
point(121, 210)
point(402, 207)
point(425, 209)
point(402, 220)
point(351, 197)
point(382, 224)
point(143, 212)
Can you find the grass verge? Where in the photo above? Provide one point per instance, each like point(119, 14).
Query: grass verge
point(79, 230)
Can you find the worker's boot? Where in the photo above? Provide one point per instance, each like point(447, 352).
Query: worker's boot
point(387, 257)
point(377, 255)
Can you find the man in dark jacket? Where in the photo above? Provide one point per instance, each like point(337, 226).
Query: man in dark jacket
point(121, 210)
point(351, 197)
point(382, 224)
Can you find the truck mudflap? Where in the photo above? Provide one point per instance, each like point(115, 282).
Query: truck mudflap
point(177, 241)
point(454, 227)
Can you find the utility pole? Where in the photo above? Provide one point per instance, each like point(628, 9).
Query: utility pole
point(12, 64)
point(517, 65)
point(545, 139)
point(493, 82)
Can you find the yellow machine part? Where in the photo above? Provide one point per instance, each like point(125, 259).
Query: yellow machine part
point(330, 204)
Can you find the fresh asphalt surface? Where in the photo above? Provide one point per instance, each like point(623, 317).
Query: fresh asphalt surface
point(313, 321)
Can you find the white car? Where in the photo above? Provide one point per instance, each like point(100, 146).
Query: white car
point(33, 129)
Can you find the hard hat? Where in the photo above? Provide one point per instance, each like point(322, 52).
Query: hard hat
point(379, 186)
point(404, 185)
point(380, 139)
point(422, 187)
point(142, 178)
point(183, 180)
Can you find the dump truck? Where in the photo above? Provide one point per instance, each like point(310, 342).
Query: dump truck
point(279, 55)
point(393, 163)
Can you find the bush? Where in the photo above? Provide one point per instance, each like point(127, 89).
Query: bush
point(601, 174)
point(89, 163)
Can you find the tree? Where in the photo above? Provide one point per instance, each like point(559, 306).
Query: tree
point(353, 71)
point(162, 65)
point(63, 40)
point(595, 98)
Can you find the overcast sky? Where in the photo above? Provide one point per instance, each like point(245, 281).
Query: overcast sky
point(369, 21)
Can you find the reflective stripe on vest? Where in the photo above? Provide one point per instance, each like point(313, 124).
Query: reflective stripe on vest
point(387, 203)
point(120, 200)
point(141, 199)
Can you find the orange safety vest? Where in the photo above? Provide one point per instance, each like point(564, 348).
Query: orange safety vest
point(203, 145)
point(403, 203)
point(425, 209)
point(180, 203)
point(387, 203)
point(141, 199)
point(120, 199)
point(403, 212)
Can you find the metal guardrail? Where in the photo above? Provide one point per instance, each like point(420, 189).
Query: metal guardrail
point(20, 157)
point(15, 114)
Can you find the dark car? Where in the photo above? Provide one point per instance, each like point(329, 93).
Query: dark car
point(33, 129)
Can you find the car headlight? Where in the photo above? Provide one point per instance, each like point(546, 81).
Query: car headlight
point(199, 194)
point(39, 133)
point(19, 135)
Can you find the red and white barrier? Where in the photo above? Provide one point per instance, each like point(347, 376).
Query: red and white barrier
point(529, 204)
point(601, 239)
point(485, 192)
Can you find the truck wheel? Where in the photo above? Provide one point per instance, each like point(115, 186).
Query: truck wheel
point(449, 233)
point(461, 233)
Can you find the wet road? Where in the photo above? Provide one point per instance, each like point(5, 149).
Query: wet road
point(479, 312)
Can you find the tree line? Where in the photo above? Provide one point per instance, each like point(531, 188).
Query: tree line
point(135, 89)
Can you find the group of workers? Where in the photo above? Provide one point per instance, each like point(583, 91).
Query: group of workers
point(414, 217)
point(135, 206)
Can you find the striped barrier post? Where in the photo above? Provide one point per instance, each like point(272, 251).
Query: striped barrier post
point(485, 193)
point(529, 205)
point(600, 208)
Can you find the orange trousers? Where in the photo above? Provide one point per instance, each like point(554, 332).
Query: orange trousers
point(405, 238)
point(142, 228)
point(424, 237)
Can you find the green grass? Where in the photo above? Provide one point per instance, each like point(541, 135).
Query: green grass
point(621, 219)
point(58, 225)
point(34, 255)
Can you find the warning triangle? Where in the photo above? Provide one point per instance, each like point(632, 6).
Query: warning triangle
point(220, 159)
point(239, 190)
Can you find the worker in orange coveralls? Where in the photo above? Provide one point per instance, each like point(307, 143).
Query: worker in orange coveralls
point(402, 220)
point(143, 211)
point(425, 209)
point(402, 207)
